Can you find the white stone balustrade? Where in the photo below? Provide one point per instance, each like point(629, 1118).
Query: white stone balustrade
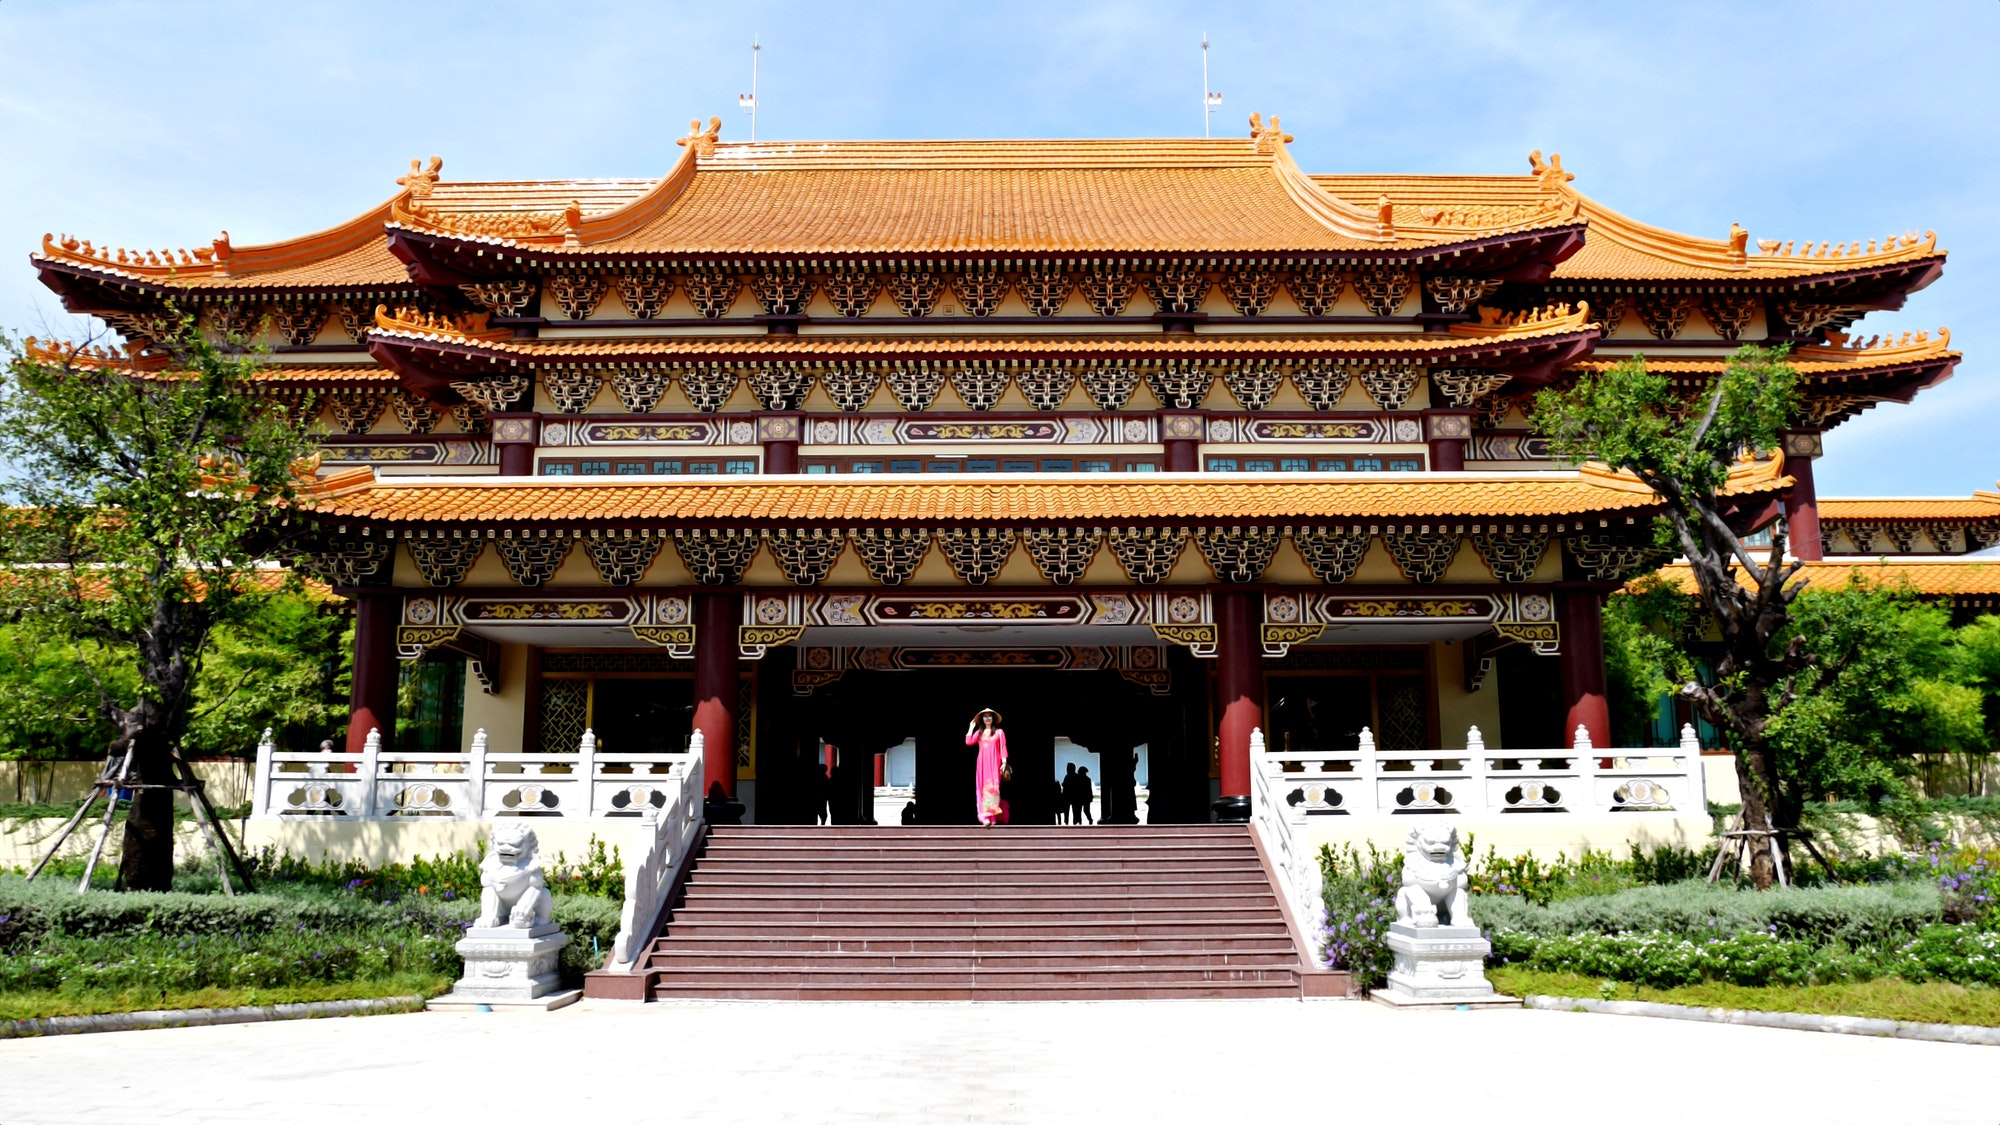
point(382, 784)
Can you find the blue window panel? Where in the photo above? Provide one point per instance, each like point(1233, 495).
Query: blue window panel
point(667, 468)
point(553, 470)
point(1141, 467)
point(868, 466)
point(942, 467)
point(631, 468)
point(1018, 467)
point(1222, 464)
point(1367, 464)
point(818, 470)
point(906, 466)
point(739, 467)
point(1406, 466)
point(1056, 464)
point(1294, 464)
point(1093, 466)
point(595, 468)
point(977, 466)
point(1259, 465)
point(703, 468)
point(1336, 466)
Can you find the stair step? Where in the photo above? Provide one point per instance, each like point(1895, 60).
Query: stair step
point(1165, 990)
point(969, 978)
point(1222, 944)
point(1268, 955)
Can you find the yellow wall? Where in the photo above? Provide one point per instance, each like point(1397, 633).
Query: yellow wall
point(502, 715)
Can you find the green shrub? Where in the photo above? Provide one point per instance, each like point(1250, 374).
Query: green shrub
point(1959, 954)
point(1358, 896)
point(1855, 916)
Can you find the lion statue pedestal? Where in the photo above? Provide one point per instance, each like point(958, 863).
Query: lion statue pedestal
point(1440, 953)
point(512, 946)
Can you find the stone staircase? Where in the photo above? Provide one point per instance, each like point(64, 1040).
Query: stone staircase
point(1032, 913)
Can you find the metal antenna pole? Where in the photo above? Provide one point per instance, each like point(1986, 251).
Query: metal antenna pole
point(749, 101)
point(1209, 98)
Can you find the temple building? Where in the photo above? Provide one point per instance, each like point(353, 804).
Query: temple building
point(818, 448)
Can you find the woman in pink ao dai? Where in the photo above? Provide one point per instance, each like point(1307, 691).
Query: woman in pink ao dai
point(986, 734)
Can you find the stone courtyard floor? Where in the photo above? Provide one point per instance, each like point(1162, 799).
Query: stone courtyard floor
point(1215, 1061)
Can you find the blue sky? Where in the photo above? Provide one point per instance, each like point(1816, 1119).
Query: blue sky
point(157, 124)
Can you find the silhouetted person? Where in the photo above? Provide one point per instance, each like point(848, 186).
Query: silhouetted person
point(1079, 797)
point(822, 794)
point(909, 813)
point(1066, 795)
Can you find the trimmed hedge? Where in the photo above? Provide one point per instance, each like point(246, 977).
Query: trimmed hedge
point(1854, 916)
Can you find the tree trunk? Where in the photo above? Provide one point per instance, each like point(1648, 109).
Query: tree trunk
point(148, 860)
point(1753, 778)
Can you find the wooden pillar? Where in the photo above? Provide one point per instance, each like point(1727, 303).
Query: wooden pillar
point(1240, 680)
point(1181, 436)
point(371, 697)
point(516, 435)
point(1581, 673)
point(1447, 434)
point(716, 618)
point(1801, 501)
point(780, 435)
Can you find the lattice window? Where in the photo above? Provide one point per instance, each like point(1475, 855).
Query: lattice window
point(470, 418)
point(494, 395)
point(1664, 315)
point(1182, 383)
point(1321, 382)
point(708, 385)
point(1250, 289)
point(1405, 714)
point(444, 562)
point(915, 383)
point(1383, 288)
point(621, 557)
point(1316, 289)
point(716, 557)
point(501, 298)
point(782, 290)
point(1421, 553)
point(1729, 314)
point(1390, 384)
point(418, 415)
point(1110, 383)
point(781, 386)
point(576, 294)
point(915, 292)
point(806, 556)
point(1253, 382)
point(852, 289)
point(980, 288)
point(1463, 386)
point(1512, 556)
point(571, 390)
point(1456, 294)
point(980, 382)
point(564, 711)
point(1046, 288)
point(976, 554)
point(711, 290)
point(891, 554)
point(1046, 384)
point(1178, 288)
point(356, 408)
point(1062, 554)
point(1238, 554)
point(532, 562)
point(851, 383)
point(357, 320)
point(645, 293)
point(639, 388)
point(347, 562)
point(1148, 554)
point(1606, 559)
point(1108, 289)
point(299, 322)
point(1333, 553)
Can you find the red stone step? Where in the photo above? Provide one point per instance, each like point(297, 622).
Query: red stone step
point(821, 945)
point(1163, 990)
point(1266, 956)
point(1038, 901)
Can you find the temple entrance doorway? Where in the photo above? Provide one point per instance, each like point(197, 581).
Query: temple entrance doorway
point(868, 712)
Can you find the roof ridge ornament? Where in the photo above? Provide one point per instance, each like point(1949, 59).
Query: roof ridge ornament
point(1843, 345)
point(1267, 139)
point(701, 141)
point(422, 323)
point(1892, 245)
point(1549, 174)
point(213, 257)
point(1527, 322)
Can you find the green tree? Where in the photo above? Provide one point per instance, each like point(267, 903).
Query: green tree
point(48, 694)
point(1646, 630)
point(148, 497)
point(1630, 418)
point(284, 666)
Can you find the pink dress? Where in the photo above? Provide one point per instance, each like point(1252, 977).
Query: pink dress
point(992, 756)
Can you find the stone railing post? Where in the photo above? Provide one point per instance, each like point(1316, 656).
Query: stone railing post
point(371, 764)
point(1364, 769)
point(477, 769)
point(1697, 775)
point(1475, 755)
point(586, 767)
point(260, 782)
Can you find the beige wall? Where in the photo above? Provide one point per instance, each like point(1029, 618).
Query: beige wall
point(1459, 710)
point(54, 782)
point(503, 715)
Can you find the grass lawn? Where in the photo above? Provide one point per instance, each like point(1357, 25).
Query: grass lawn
point(1888, 998)
point(37, 1005)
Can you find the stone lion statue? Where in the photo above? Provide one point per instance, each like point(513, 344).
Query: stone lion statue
point(1434, 880)
point(512, 891)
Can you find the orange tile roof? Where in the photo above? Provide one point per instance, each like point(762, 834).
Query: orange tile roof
point(1980, 505)
point(1845, 356)
point(1949, 576)
point(1618, 247)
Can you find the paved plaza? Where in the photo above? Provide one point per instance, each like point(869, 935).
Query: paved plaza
point(1217, 1061)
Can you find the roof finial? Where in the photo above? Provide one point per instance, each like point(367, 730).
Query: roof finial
point(1267, 139)
point(1549, 173)
point(703, 143)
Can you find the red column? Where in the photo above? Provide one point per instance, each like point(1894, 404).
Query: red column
point(716, 618)
point(1447, 435)
point(780, 434)
point(881, 770)
point(1802, 502)
point(1240, 682)
point(1582, 672)
point(516, 436)
point(1181, 435)
point(371, 698)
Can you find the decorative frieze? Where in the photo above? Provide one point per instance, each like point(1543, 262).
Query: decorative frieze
point(852, 289)
point(1610, 313)
point(442, 561)
point(979, 382)
point(1464, 386)
point(1456, 294)
point(782, 289)
point(1253, 382)
point(1238, 554)
point(1046, 287)
point(980, 288)
point(1062, 554)
point(1664, 314)
point(501, 298)
point(806, 556)
point(576, 294)
point(1806, 318)
point(915, 291)
point(851, 383)
point(1608, 559)
point(299, 322)
point(708, 385)
point(1322, 382)
point(1178, 288)
point(1423, 554)
point(1108, 288)
point(1316, 289)
point(471, 418)
point(1109, 383)
point(645, 292)
point(716, 557)
point(357, 319)
point(1511, 555)
point(1333, 553)
point(711, 289)
point(780, 386)
point(1182, 384)
point(976, 554)
point(571, 389)
point(621, 557)
point(1390, 384)
point(533, 562)
point(1250, 289)
point(1046, 385)
point(417, 415)
point(639, 389)
point(355, 409)
point(1383, 288)
point(494, 395)
point(914, 382)
point(343, 561)
point(1731, 313)
point(891, 554)
point(1148, 554)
